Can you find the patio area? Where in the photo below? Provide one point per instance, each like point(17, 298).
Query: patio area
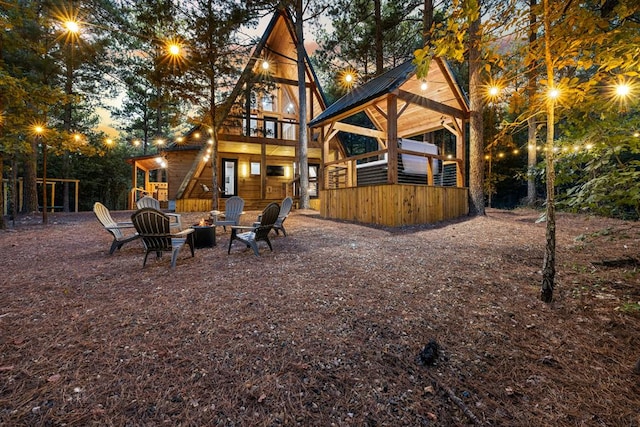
point(325, 330)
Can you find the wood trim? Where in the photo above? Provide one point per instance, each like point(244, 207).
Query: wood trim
point(359, 130)
point(432, 105)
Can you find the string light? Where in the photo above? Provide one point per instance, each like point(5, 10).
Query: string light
point(347, 78)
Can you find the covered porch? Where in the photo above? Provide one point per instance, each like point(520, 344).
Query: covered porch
point(417, 173)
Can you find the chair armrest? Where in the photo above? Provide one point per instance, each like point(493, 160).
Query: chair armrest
point(242, 227)
point(183, 233)
point(120, 225)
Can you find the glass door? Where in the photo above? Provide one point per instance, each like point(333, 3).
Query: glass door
point(229, 177)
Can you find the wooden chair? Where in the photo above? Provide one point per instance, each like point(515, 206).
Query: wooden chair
point(256, 234)
point(232, 213)
point(150, 202)
point(285, 209)
point(113, 227)
point(154, 228)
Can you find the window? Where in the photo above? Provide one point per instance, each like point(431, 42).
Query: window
point(269, 102)
point(288, 129)
point(270, 127)
point(255, 168)
point(253, 126)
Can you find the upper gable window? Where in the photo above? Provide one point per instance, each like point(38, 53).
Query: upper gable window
point(269, 102)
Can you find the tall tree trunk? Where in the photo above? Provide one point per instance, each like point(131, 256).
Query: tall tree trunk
point(378, 37)
point(476, 140)
point(303, 160)
point(68, 88)
point(215, 193)
point(532, 154)
point(3, 224)
point(30, 179)
point(427, 21)
point(549, 263)
point(13, 188)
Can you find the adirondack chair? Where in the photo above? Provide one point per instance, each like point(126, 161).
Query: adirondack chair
point(256, 234)
point(232, 213)
point(285, 209)
point(154, 229)
point(115, 228)
point(150, 202)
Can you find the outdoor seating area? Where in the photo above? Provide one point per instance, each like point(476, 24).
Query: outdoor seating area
point(163, 231)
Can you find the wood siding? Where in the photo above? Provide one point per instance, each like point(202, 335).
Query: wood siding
point(394, 205)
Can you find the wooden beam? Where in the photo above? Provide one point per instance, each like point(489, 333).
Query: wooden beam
point(359, 130)
point(380, 110)
point(289, 82)
point(431, 104)
point(392, 139)
point(404, 107)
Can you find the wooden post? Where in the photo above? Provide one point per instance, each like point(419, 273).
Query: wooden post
point(325, 157)
point(460, 154)
point(392, 139)
point(263, 171)
point(134, 181)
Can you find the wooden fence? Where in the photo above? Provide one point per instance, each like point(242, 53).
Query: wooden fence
point(394, 204)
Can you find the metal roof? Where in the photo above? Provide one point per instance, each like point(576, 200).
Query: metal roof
point(372, 89)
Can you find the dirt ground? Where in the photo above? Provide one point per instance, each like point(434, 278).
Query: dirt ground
point(341, 325)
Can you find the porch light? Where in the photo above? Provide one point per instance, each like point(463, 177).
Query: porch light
point(196, 135)
point(265, 65)
point(347, 78)
point(424, 86)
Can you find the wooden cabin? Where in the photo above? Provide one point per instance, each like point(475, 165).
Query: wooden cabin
point(409, 178)
point(257, 137)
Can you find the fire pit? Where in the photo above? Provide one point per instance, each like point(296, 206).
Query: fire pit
point(204, 234)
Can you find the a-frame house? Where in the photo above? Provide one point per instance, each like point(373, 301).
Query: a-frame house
point(257, 137)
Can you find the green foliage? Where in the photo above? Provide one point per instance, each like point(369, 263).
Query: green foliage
point(351, 41)
point(448, 38)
